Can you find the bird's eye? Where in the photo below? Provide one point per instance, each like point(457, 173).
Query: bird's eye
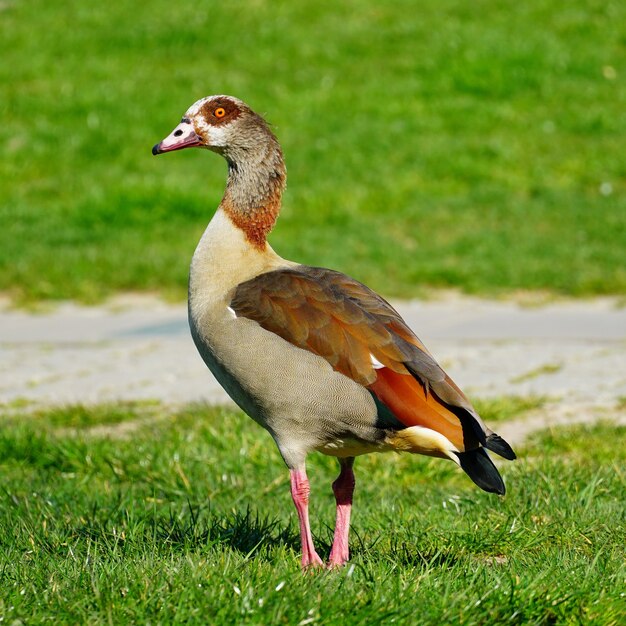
point(220, 112)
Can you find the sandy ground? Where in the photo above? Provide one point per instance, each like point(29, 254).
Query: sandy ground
point(135, 348)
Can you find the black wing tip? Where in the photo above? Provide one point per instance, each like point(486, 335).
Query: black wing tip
point(480, 468)
point(496, 444)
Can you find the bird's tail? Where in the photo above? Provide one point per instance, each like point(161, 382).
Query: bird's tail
point(480, 468)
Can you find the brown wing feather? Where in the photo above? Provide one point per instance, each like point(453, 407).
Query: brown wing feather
point(345, 322)
point(321, 311)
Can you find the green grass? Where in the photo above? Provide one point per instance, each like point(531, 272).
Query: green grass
point(503, 408)
point(185, 517)
point(542, 370)
point(432, 144)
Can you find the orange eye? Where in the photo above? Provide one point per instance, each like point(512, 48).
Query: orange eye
point(220, 112)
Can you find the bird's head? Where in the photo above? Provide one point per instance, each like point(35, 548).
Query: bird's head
point(220, 123)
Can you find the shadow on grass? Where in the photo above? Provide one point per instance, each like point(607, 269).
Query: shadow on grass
point(402, 553)
point(385, 546)
point(195, 528)
point(243, 531)
point(119, 529)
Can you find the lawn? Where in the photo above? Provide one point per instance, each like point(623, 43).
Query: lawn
point(440, 144)
point(435, 144)
point(143, 514)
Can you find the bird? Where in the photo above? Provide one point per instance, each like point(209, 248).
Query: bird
point(318, 359)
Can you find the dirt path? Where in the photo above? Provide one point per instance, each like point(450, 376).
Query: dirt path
point(140, 348)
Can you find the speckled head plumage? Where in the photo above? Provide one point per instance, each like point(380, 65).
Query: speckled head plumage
point(220, 123)
point(256, 172)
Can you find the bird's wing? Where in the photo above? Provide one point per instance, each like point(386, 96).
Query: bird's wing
point(362, 336)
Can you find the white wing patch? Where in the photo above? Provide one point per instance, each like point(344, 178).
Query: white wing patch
point(375, 362)
point(232, 312)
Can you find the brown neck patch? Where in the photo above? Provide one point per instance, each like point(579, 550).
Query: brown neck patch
point(256, 222)
point(255, 216)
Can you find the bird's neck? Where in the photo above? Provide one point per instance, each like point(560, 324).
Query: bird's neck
point(223, 259)
point(256, 180)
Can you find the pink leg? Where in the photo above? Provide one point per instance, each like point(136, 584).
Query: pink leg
point(343, 489)
point(300, 494)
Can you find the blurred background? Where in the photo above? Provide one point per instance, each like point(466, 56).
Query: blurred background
point(465, 158)
point(438, 144)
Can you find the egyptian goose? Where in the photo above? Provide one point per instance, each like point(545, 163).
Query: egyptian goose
point(315, 357)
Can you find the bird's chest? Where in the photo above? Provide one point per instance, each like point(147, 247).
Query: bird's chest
point(293, 393)
point(221, 344)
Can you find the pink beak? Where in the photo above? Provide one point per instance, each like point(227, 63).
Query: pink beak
point(183, 136)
